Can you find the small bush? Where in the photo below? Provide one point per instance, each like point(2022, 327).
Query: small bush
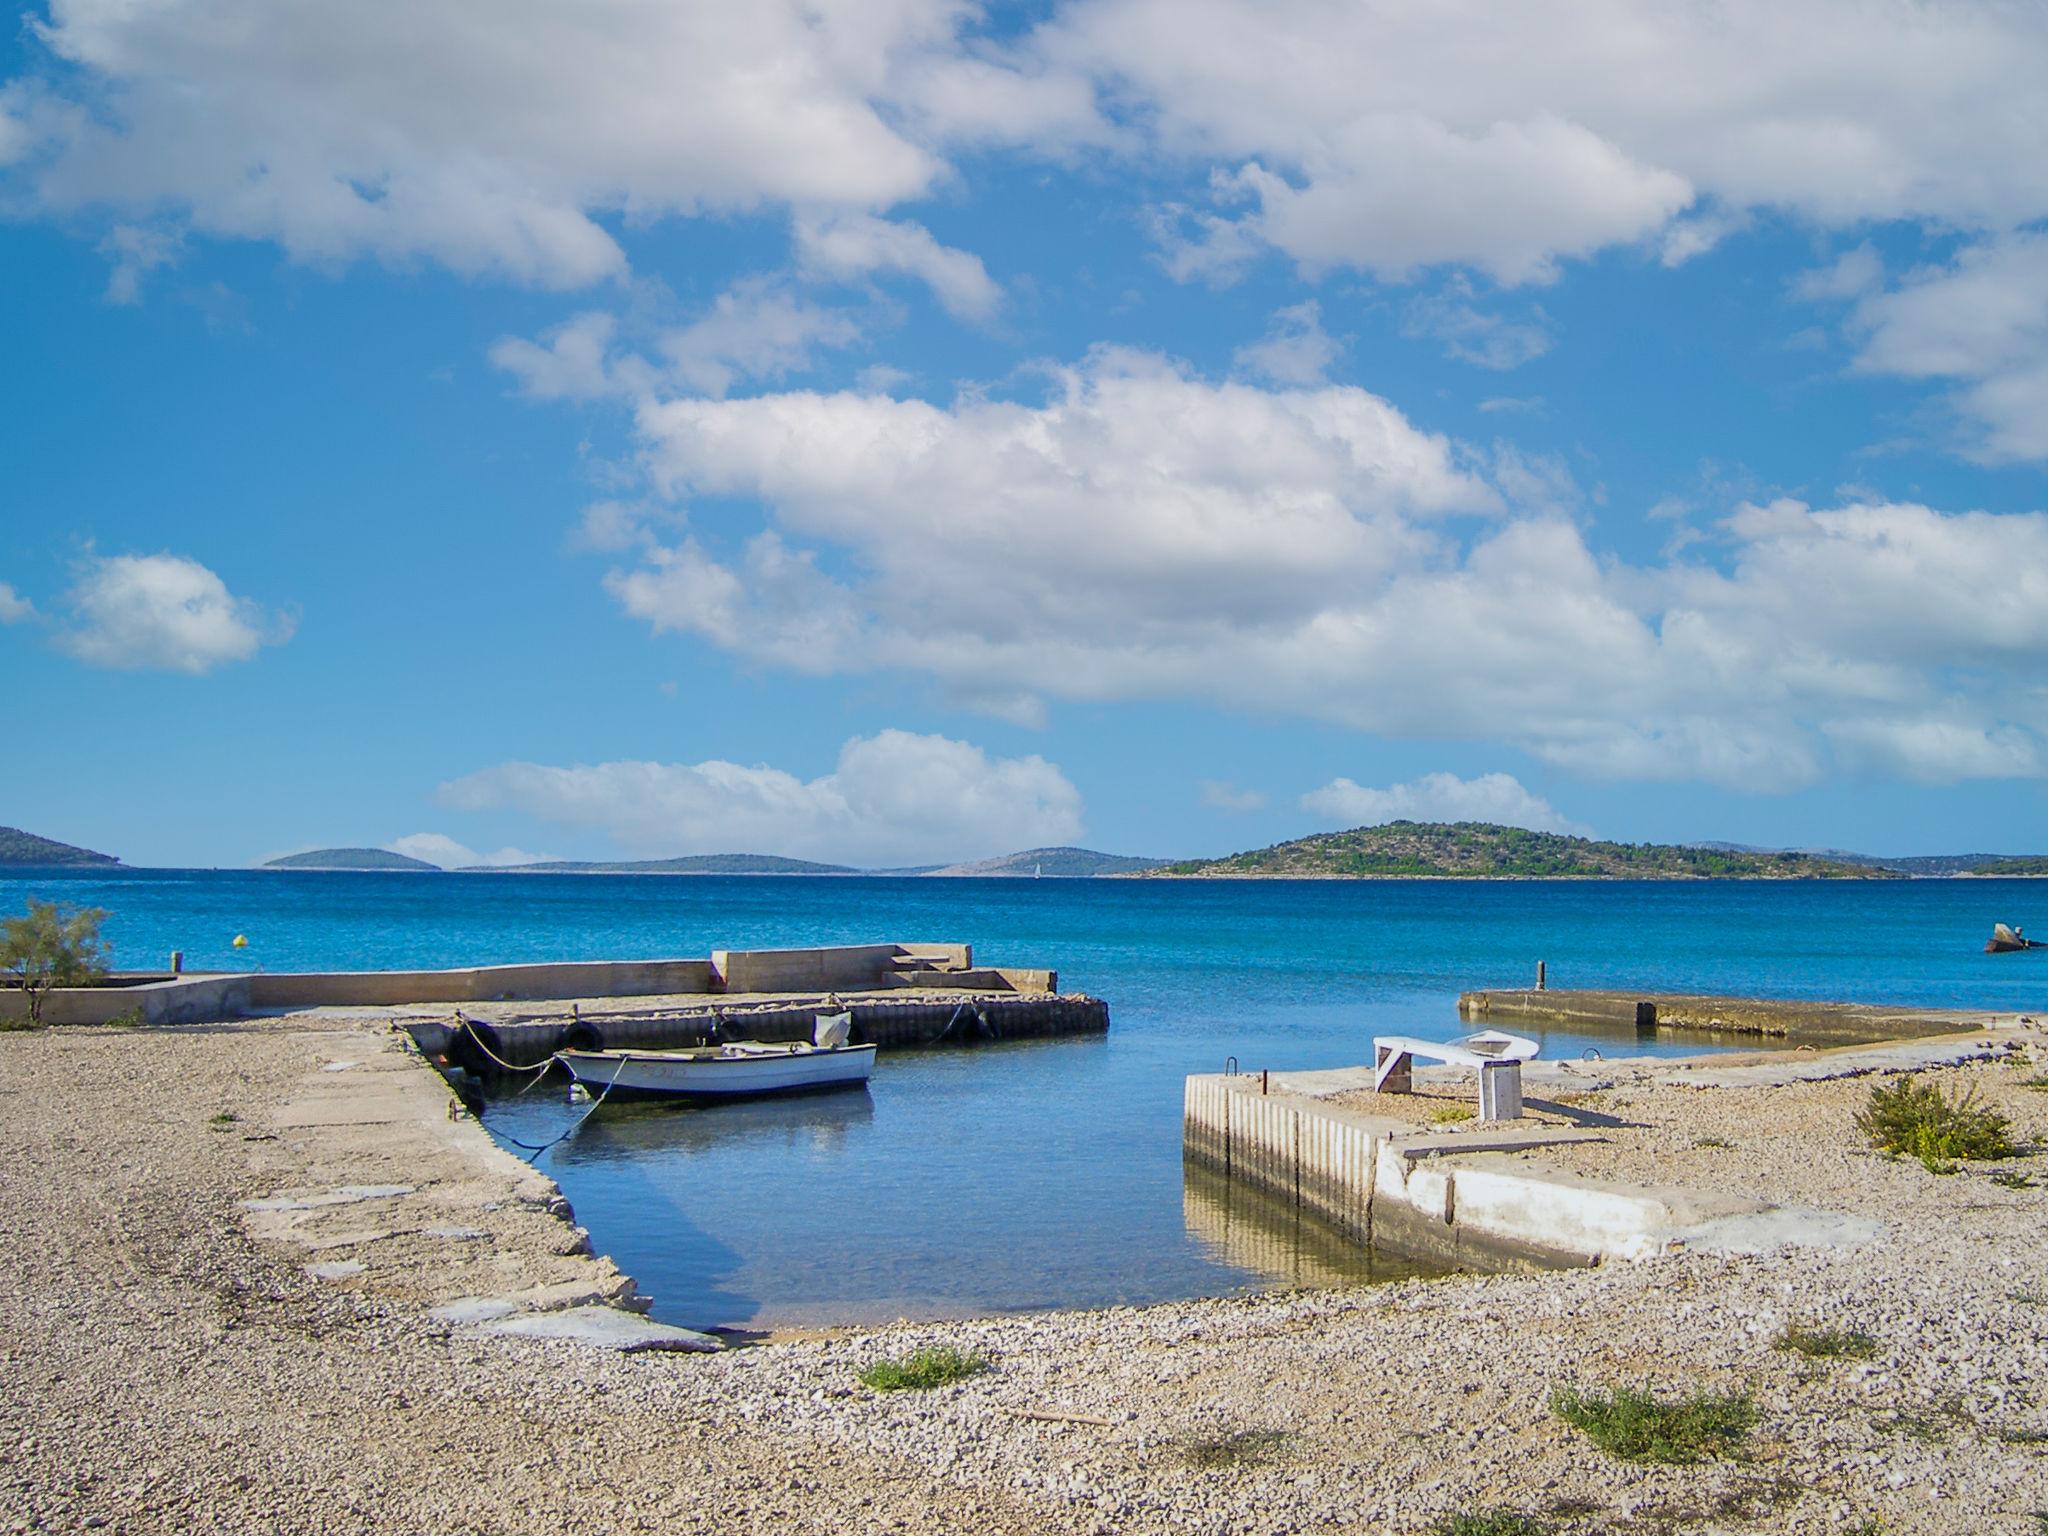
point(923, 1370)
point(1713, 1141)
point(1635, 1426)
point(1494, 1522)
point(1242, 1447)
point(225, 1118)
point(1446, 1114)
point(1916, 1119)
point(1827, 1343)
point(2011, 1178)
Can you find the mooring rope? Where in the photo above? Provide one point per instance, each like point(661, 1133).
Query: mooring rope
point(534, 1152)
point(477, 1036)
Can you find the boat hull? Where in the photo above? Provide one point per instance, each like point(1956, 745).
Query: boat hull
point(708, 1076)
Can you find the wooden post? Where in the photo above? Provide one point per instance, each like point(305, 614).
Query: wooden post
point(1539, 976)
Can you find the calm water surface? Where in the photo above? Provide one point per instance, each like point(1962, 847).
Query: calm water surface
point(1049, 1173)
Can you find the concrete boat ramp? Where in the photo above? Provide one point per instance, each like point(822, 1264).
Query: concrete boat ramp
point(1483, 1195)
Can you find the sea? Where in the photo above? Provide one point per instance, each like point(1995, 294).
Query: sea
point(1030, 1175)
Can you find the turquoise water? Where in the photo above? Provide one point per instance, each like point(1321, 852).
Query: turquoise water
point(1049, 1173)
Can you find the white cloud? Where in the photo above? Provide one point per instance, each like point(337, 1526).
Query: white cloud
point(1981, 321)
point(164, 611)
point(1936, 751)
point(420, 129)
point(1492, 797)
point(1144, 533)
point(757, 329)
point(894, 798)
point(1390, 137)
point(437, 848)
point(843, 246)
point(1474, 335)
point(14, 608)
point(1297, 350)
point(135, 251)
point(1219, 795)
point(1396, 136)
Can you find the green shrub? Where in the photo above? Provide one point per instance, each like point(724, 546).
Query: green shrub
point(1494, 1522)
point(1827, 1343)
point(1239, 1447)
point(52, 946)
point(1447, 1114)
point(1916, 1119)
point(922, 1370)
point(1635, 1426)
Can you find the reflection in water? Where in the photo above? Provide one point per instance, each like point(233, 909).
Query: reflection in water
point(1250, 1229)
point(815, 1123)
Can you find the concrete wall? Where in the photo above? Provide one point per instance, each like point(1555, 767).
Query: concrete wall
point(1381, 1182)
point(481, 984)
point(194, 999)
point(844, 968)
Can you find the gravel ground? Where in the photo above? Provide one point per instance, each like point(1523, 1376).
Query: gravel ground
point(167, 1371)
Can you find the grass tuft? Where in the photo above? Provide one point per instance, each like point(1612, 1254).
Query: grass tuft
point(2011, 1178)
point(1445, 1114)
point(1713, 1141)
point(1827, 1343)
point(1494, 1522)
point(1635, 1426)
point(922, 1370)
point(2039, 1082)
point(1241, 1447)
point(1916, 1119)
point(225, 1118)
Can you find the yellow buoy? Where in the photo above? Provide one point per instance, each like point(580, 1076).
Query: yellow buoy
point(241, 941)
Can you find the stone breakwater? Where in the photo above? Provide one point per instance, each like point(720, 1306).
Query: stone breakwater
point(172, 1364)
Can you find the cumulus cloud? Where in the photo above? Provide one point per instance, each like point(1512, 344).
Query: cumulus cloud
point(1146, 533)
point(1389, 138)
point(1400, 136)
point(438, 848)
point(1297, 350)
point(759, 328)
point(14, 608)
point(1980, 320)
point(842, 246)
point(167, 612)
point(1493, 797)
point(415, 129)
point(1475, 335)
point(893, 798)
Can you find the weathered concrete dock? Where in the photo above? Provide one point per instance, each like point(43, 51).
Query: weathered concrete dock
point(1796, 1022)
point(1483, 1196)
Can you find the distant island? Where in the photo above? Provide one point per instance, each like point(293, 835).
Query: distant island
point(1396, 850)
point(1472, 849)
point(21, 849)
point(1060, 863)
point(692, 864)
point(348, 858)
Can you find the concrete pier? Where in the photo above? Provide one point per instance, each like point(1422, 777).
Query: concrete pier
point(958, 1018)
point(1458, 1198)
point(1795, 1022)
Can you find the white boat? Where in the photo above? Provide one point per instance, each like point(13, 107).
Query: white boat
point(739, 1070)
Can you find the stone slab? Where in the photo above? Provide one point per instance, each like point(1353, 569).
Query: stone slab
point(601, 1328)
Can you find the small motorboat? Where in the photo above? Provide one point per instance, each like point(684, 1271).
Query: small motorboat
point(2004, 940)
point(736, 1070)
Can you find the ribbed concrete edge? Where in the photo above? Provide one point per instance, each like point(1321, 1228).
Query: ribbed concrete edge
point(1462, 1199)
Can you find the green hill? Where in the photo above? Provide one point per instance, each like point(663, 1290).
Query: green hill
point(349, 858)
point(24, 848)
point(1471, 849)
point(2032, 864)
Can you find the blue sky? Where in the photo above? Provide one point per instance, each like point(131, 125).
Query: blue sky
point(901, 433)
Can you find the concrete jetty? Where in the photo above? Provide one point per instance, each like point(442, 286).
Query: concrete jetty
point(1468, 1198)
point(899, 994)
point(1794, 1021)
